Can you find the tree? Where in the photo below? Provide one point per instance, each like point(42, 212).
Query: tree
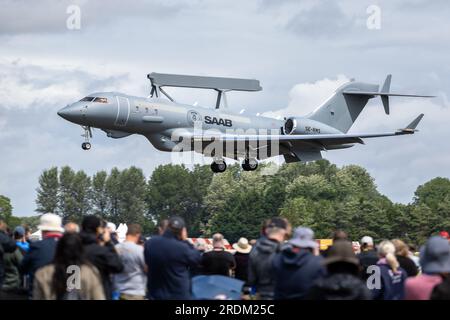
point(112, 189)
point(131, 196)
point(5, 208)
point(99, 194)
point(74, 194)
point(47, 192)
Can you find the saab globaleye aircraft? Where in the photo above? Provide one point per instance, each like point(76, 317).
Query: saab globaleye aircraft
point(168, 124)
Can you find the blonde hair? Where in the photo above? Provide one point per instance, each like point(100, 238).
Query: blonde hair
point(401, 248)
point(386, 249)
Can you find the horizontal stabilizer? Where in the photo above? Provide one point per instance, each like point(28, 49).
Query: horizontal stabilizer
point(384, 93)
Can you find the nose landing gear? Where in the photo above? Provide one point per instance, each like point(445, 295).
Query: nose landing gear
point(86, 145)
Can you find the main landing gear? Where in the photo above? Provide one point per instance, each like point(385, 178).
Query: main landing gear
point(218, 166)
point(86, 145)
point(249, 164)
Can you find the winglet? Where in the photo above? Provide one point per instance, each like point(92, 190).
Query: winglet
point(385, 89)
point(411, 128)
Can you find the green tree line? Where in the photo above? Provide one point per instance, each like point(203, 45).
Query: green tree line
point(317, 194)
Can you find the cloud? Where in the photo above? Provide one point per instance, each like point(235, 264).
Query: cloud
point(306, 97)
point(47, 16)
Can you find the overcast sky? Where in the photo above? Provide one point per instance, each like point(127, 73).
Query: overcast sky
point(301, 51)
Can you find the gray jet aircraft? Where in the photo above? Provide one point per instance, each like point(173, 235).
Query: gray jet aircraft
point(221, 133)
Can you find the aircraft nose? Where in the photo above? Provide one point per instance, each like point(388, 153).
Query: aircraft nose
point(70, 113)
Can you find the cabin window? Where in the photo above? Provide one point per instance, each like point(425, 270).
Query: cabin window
point(101, 100)
point(88, 99)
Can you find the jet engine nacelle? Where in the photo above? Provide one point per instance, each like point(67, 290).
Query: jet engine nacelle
point(294, 125)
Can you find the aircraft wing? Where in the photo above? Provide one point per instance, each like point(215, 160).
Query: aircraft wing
point(324, 139)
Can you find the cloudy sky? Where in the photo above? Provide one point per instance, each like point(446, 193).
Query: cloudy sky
point(301, 51)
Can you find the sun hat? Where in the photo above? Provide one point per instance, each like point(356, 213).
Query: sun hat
point(303, 238)
point(51, 222)
point(435, 256)
point(341, 251)
point(242, 246)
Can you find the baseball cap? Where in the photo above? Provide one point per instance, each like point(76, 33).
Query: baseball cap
point(366, 240)
point(176, 223)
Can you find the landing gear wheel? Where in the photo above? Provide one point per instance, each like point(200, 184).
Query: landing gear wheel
point(218, 167)
point(86, 146)
point(249, 165)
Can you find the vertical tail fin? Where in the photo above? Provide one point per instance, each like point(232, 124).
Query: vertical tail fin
point(341, 110)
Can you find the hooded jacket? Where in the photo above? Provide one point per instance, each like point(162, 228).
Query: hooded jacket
point(339, 286)
point(296, 272)
point(7, 245)
point(260, 273)
point(104, 258)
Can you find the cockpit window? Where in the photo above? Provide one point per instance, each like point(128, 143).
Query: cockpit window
point(101, 100)
point(89, 99)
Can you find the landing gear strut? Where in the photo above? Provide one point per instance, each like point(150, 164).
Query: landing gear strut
point(249, 164)
point(86, 145)
point(218, 166)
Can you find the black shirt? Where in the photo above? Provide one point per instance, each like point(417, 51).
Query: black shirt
point(408, 265)
point(241, 271)
point(218, 262)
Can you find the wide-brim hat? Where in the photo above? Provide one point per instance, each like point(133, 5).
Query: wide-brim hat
point(50, 222)
point(341, 251)
point(435, 256)
point(242, 246)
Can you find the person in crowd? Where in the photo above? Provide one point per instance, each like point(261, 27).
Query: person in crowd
point(296, 267)
point(241, 257)
point(442, 290)
point(100, 251)
point(71, 227)
point(414, 256)
point(112, 229)
point(162, 226)
point(260, 273)
point(368, 256)
point(53, 282)
point(42, 252)
point(169, 257)
point(435, 262)
point(7, 245)
point(336, 236)
point(12, 284)
point(21, 242)
point(392, 276)
point(342, 281)
point(404, 258)
point(218, 261)
point(131, 282)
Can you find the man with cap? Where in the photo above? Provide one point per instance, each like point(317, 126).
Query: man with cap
point(342, 281)
point(296, 267)
point(368, 256)
point(435, 262)
point(260, 273)
point(169, 258)
point(42, 252)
